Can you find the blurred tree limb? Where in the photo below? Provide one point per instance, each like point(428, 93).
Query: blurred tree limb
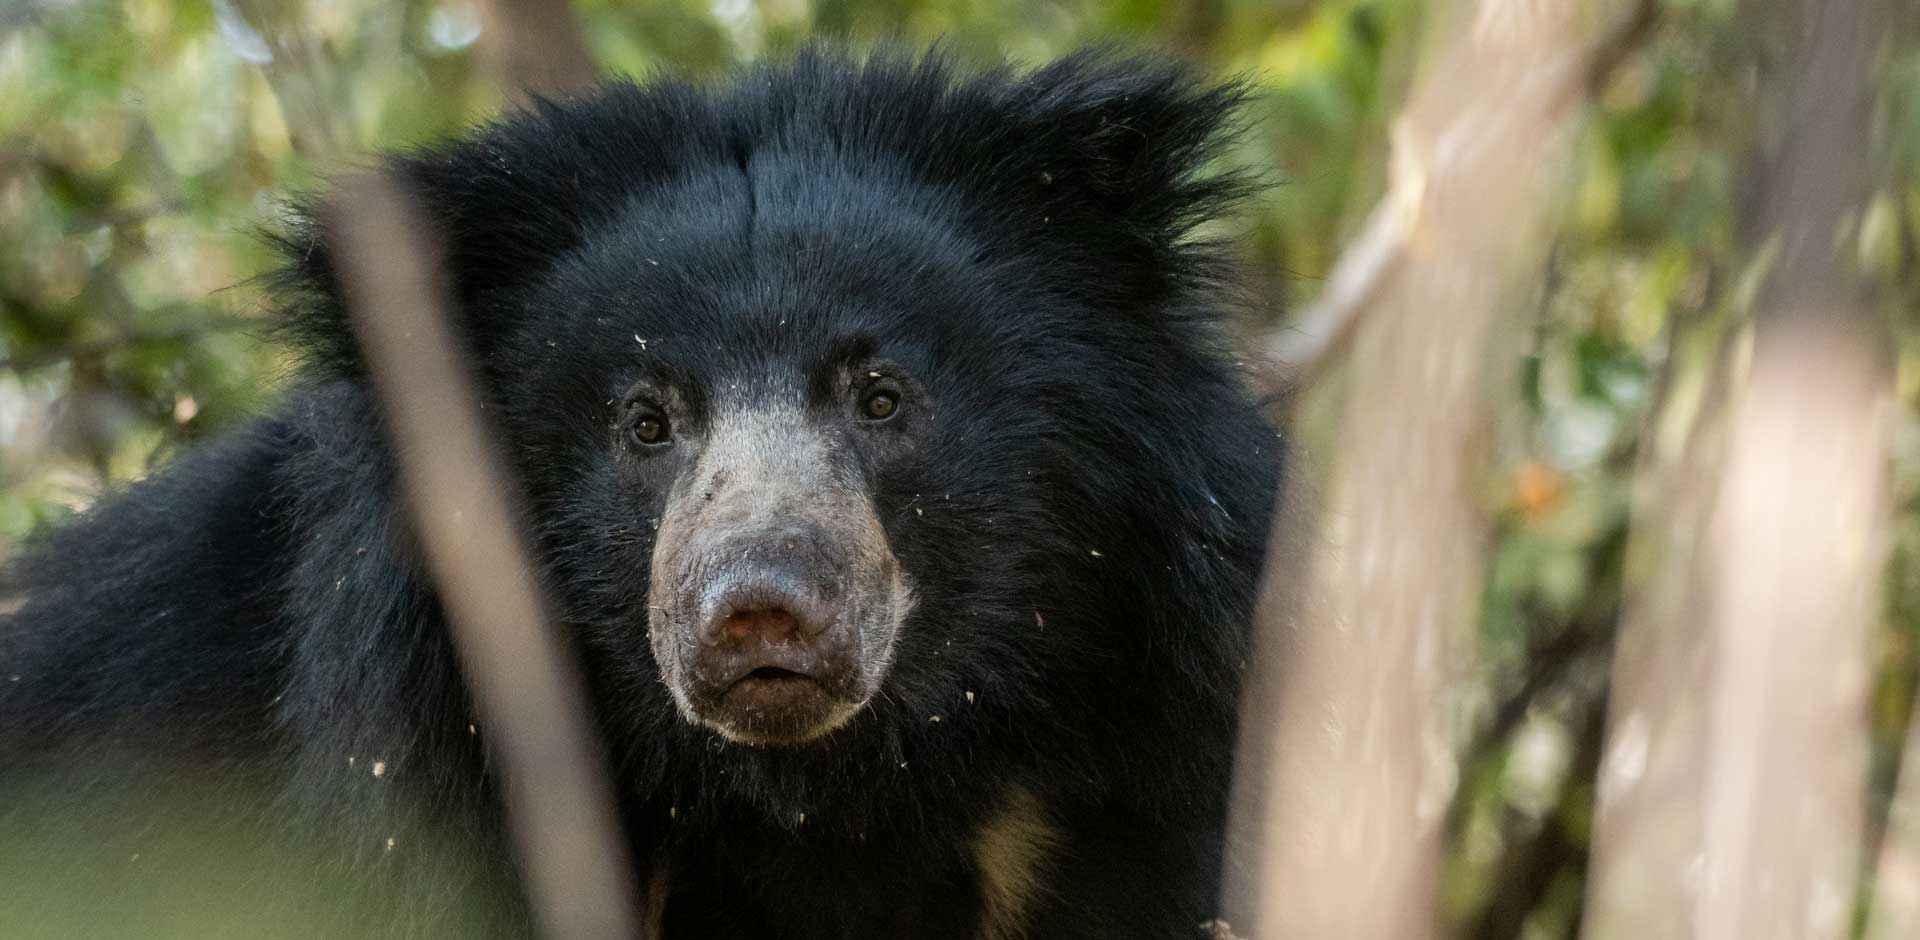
point(1359, 627)
point(574, 862)
point(560, 809)
point(1732, 791)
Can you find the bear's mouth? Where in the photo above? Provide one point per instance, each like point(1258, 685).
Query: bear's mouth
point(776, 674)
point(721, 670)
point(776, 705)
point(761, 700)
point(772, 685)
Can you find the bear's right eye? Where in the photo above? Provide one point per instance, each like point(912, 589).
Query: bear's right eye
point(649, 430)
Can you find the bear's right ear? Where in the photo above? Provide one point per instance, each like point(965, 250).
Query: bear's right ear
point(503, 203)
point(1121, 156)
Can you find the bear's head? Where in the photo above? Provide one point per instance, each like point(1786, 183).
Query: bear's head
point(855, 403)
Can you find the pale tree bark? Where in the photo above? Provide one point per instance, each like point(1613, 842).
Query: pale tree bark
point(1347, 759)
point(525, 685)
point(561, 813)
point(1732, 792)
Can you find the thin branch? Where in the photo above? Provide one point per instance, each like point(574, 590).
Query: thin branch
point(535, 47)
point(1530, 868)
point(560, 809)
point(1550, 663)
point(1547, 663)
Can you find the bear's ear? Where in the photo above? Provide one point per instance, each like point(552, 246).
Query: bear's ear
point(502, 204)
point(1121, 154)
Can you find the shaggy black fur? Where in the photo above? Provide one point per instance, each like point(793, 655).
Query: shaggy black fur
point(1085, 528)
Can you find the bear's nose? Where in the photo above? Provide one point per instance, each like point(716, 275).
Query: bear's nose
point(776, 624)
point(764, 605)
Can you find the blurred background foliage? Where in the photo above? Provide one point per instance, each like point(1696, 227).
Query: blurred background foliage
point(142, 142)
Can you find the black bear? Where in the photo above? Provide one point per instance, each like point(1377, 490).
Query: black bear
point(884, 453)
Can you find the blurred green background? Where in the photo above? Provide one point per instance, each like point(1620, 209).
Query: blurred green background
point(142, 141)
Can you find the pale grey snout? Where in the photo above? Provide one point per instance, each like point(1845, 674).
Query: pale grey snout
point(775, 595)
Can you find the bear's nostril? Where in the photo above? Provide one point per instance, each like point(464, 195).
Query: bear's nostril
point(772, 625)
point(768, 606)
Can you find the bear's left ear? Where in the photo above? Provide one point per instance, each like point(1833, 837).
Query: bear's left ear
point(1120, 155)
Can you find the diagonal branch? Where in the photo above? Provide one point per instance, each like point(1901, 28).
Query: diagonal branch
point(1306, 346)
point(526, 687)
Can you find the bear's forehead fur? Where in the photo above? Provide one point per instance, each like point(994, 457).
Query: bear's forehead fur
point(1093, 167)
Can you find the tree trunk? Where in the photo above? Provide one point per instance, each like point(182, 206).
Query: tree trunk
point(1348, 763)
point(1732, 793)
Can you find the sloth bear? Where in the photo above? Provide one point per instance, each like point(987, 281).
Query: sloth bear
point(884, 455)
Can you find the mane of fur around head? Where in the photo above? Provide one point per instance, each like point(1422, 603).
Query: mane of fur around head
point(1097, 157)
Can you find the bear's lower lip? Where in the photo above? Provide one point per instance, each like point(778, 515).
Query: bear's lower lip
point(771, 687)
point(775, 706)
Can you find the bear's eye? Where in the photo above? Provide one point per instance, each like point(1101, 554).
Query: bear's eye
point(880, 405)
point(649, 430)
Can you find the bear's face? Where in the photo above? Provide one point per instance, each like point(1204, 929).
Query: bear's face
point(776, 595)
point(864, 412)
point(764, 386)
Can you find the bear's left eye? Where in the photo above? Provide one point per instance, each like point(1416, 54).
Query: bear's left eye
point(880, 405)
